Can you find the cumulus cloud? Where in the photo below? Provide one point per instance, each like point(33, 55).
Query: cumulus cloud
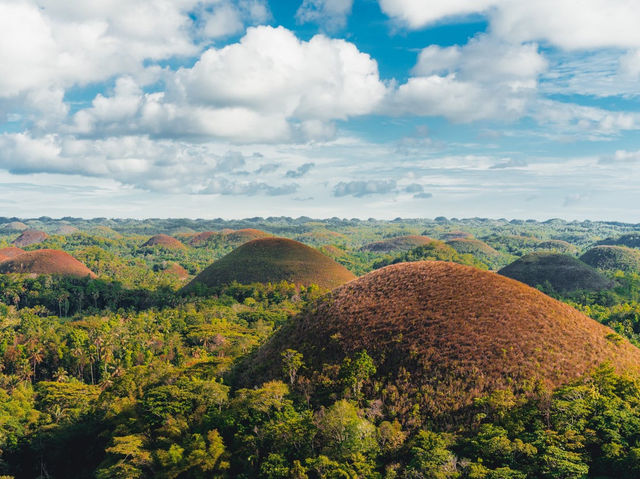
point(509, 163)
point(485, 78)
point(300, 171)
point(330, 13)
point(270, 86)
point(364, 188)
point(418, 191)
point(225, 17)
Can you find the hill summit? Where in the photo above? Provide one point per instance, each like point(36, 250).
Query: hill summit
point(610, 258)
point(45, 261)
point(29, 237)
point(564, 273)
point(271, 260)
point(164, 241)
point(398, 243)
point(445, 334)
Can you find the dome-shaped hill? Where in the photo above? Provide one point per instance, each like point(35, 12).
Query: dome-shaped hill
point(29, 237)
point(558, 246)
point(239, 237)
point(478, 249)
point(45, 261)
point(66, 230)
point(610, 258)
point(174, 269)
point(563, 272)
point(455, 235)
point(399, 243)
point(14, 226)
point(11, 251)
point(163, 241)
point(631, 240)
point(271, 260)
point(444, 334)
point(201, 238)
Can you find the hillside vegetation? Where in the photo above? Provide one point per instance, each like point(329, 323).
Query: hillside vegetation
point(611, 258)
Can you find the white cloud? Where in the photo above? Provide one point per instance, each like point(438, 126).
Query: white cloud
point(330, 13)
point(483, 79)
point(270, 86)
point(568, 24)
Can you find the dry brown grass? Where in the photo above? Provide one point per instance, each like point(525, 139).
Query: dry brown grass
point(30, 237)
point(201, 238)
point(446, 333)
point(164, 241)
point(11, 251)
point(399, 243)
point(245, 235)
point(271, 260)
point(45, 261)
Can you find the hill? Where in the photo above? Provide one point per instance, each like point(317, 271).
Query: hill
point(610, 258)
point(455, 235)
point(29, 237)
point(432, 251)
point(271, 260)
point(201, 238)
point(558, 246)
point(14, 226)
point(11, 251)
point(174, 269)
point(631, 240)
point(46, 261)
point(163, 241)
point(239, 237)
point(442, 334)
point(66, 230)
point(399, 243)
point(563, 273)
point(479, 250)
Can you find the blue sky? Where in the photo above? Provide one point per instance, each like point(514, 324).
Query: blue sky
point(349, 108)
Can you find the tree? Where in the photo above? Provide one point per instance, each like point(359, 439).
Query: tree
point(292, 361)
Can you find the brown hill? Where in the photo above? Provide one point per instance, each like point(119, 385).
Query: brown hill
point(271, 260)
point(66, 230)
point(176, 270)
point(239, 237)
point(399, 243)
point(455, 235)
point(11, 251)
point(443, 334)
point(29, 237)
point(3, 258)
point(163, 241)
point(45, 261)
point(201, 238)
point(14, 226)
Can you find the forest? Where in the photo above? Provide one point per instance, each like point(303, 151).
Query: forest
point(128, 374)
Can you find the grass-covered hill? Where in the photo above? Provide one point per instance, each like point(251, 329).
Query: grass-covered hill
point(163, 241)
point(563, 273)
point(271, 260)
point(631, 240)
point(29, 237)
point(611, 258)
point(45, 261)
point(479, 250)
point(399, 243)
point(244, 235)
point(557, 246)
point(434, 250)
point(443, 334)
point(11, 251)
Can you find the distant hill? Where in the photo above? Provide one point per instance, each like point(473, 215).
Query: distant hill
point(611, 258)
point(163, 241)
point(434, 250)
point(563, 272)
point(558, 246)
point(455, 235)
point(479, 250)
point(443, 334)
point(201, 238)
point(45, 261)
point(239, 237)
point(174, 269)
point(14, 226)
point(631, 240)
point(66, 230)
point(397, 244)
point(11, 251)
point(29, 237)
point(274, 260)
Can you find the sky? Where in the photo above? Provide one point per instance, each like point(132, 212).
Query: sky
point(349, 108)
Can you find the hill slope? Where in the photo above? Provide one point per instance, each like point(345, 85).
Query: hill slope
point(11, 251)
point(564, 273)
point(445, 333)
point(479, 250)
point(29, 237)
point(45, 261)
point(399, 243)
point(163, 241)
point(631, 240)
point(274, 260)
point(610, 258)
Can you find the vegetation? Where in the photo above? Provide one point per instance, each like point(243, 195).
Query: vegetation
point(613, 258)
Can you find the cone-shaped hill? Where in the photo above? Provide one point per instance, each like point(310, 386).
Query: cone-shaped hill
point(14, 226)
point(29, 237)
point(163, 241)
point(201, 238)
point(564, 273)
point(557, 246)
point(46, 261)
point(239, 237)
point(11, 251)
point(478, 249)
point(444, 333)
point(609, 258)
point(271, 260)
point(631, 240)
point(399, 243)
